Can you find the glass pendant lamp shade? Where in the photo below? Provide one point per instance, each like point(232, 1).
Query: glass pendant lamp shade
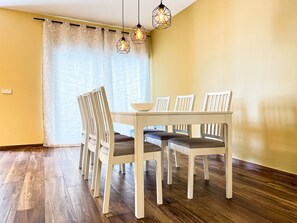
point(123, 45)
point(138, 34)
point(161, 17)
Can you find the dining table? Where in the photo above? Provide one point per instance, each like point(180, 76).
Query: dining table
point(141, 119)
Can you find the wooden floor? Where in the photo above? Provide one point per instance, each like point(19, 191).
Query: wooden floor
point(40, 184)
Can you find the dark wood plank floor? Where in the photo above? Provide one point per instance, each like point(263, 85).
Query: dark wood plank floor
point(40, 184)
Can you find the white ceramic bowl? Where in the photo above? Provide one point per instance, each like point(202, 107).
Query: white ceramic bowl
point(142, 106)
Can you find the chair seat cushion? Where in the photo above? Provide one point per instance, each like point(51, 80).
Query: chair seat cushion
point(146, 131)
point(117, 138)
point(127, 148)
point(122, 138)
point(165, 135)
point(196, 142)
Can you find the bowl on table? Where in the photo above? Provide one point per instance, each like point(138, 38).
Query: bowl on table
point(142, 106)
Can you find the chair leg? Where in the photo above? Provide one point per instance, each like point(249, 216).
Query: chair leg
point(190, 176)
point(169, 165)
point(123, 168)
point(95, 169)
point(205, 167)
point(146, 162)
point(228, 169)
point(164, 148)
point(176, 156)
point(92, 158)
point(84, 159)
point(159, 178)
point(81, 155)
point(87, 166)
point(98, 176)
point(146, 165)
point(105, 206)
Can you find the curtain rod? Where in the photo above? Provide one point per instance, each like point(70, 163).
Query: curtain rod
point(73, 24)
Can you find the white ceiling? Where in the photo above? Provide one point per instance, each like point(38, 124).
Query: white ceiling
point(100, 11)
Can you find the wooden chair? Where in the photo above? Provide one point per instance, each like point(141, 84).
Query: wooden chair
point(182, 103)
point(112, 153)
point(93, 143)
point(212, 140)
point(162, 104)
point(93, 140)
point(84, 133)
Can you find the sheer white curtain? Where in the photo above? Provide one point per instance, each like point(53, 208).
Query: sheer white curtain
point(77, 60)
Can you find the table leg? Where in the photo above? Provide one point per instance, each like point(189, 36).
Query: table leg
point(228, 160)
point(138, 171)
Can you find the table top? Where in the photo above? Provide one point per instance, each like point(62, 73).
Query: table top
point(170, 117)
point(145, 113)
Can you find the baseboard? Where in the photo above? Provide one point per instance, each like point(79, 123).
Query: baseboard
point(259, 168)
point(253, 166)
point(13, 147)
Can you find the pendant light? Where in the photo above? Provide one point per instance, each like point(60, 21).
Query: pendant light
point(123, 45)
point(161, 17)
point(138, 34)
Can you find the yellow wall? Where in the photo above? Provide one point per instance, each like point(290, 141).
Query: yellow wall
point(20, 70)
point(249, 47)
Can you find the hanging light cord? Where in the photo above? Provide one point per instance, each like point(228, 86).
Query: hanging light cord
point(123, 17)
point(138, 12)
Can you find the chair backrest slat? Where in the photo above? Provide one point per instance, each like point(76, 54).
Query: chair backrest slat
point(220, 102)
point(96, 110)
point(106, 131)
point(183, 103)
point(89, 113)
point(82, 112)
point(162, 104)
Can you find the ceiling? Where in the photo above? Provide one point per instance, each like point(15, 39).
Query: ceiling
point(99, 11)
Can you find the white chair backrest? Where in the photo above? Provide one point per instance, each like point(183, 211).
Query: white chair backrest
point(82, 113)
point(106, 132)
point(219, 102)
point(162, 104)
point(90, 114)
point(96, 110)
point(183, 103)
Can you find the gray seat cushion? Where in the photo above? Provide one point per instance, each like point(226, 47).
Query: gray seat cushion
point(146, 131)
point(127, 148)
point(197, 142)
point(122, 138)
point(117, 138)
point(165, 135)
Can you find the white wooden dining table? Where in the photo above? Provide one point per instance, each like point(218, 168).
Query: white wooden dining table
point(139, 120)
